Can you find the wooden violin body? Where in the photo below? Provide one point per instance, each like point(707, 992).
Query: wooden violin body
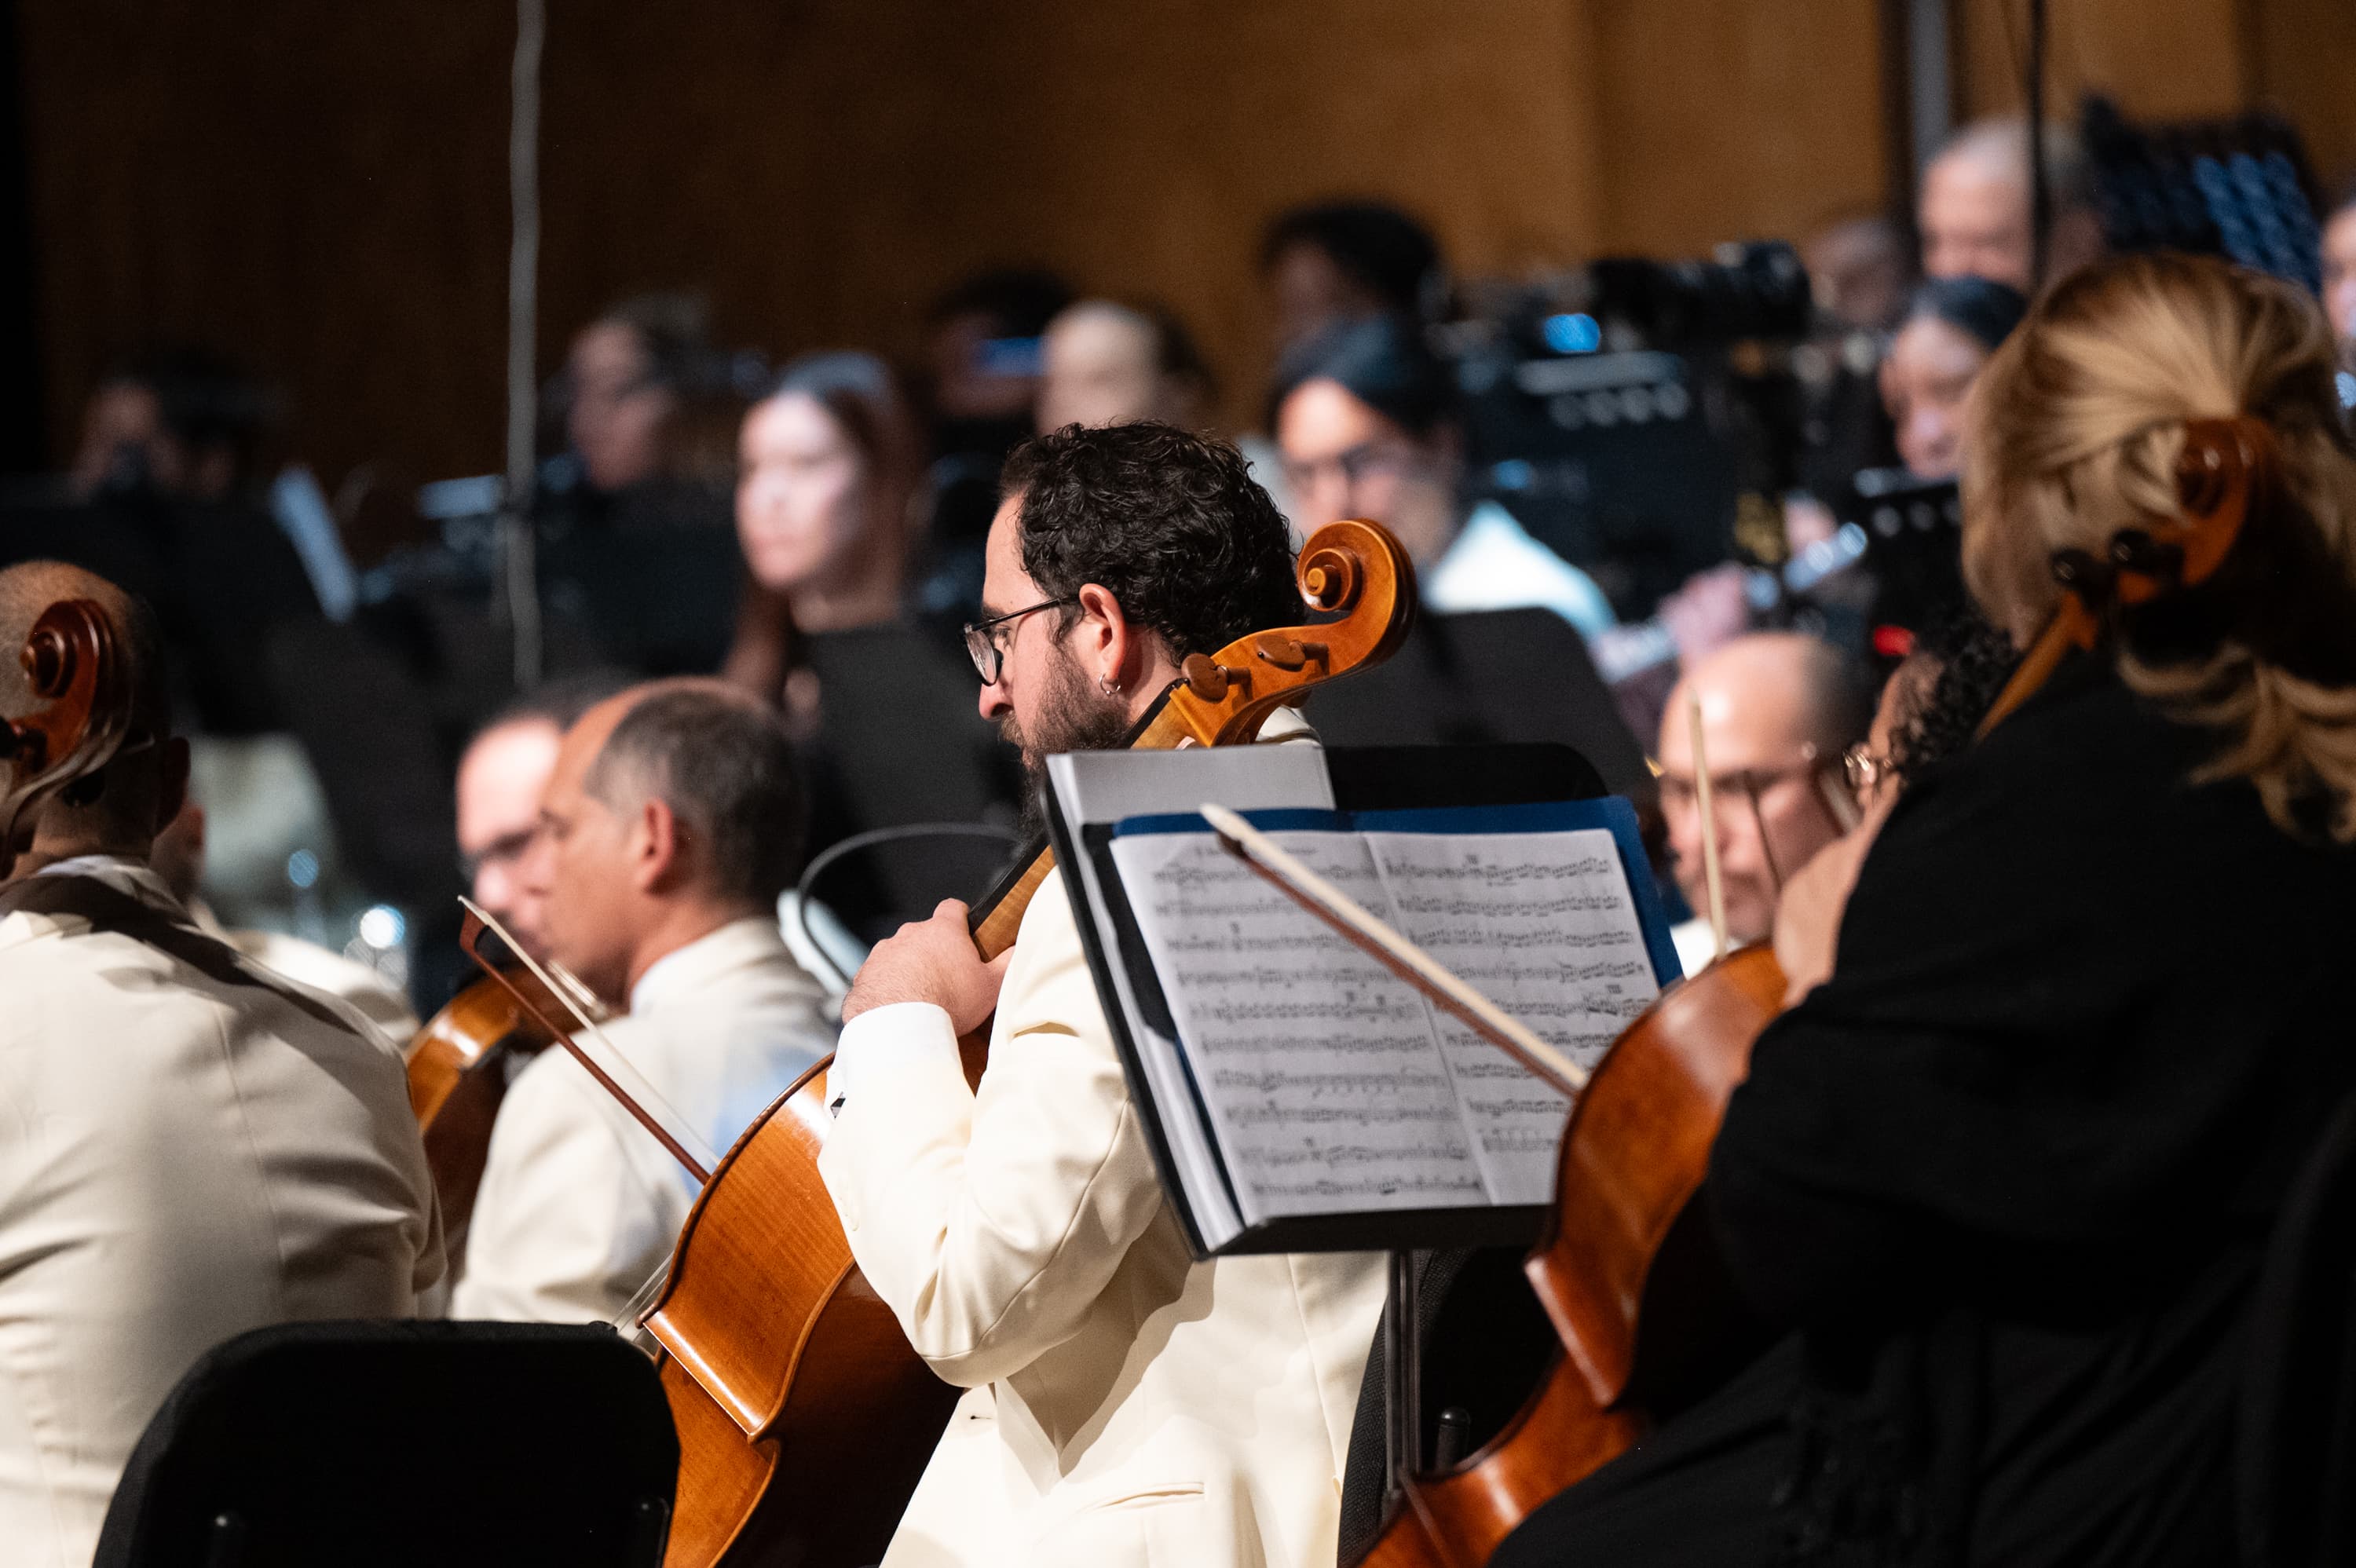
point(777, 1357)
point(1635, 1153)
point(458, 1070)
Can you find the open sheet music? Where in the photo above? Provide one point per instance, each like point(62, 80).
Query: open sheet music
point(1308, 1081)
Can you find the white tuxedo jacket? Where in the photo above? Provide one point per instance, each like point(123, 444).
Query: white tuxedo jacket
point(579, 1205)
point(1126, 1405)
point(188, 1148)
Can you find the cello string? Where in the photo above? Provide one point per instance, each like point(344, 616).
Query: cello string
point(1707, 810)
point(629, 1082)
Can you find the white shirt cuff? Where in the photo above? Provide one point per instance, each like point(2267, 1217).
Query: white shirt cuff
point(892, 1040)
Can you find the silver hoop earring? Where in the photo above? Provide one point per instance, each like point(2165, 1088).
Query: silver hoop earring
point(1108, 686)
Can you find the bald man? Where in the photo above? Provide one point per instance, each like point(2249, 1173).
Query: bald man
point(1778, 708)
point(190, 1145)
point(1974, 210)
point(666, 835)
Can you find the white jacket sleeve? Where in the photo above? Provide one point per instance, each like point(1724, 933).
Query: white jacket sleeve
point(992, 1222)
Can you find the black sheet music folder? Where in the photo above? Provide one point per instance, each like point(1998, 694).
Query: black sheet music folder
point(1091, 797)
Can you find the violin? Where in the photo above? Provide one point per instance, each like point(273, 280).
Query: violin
point(776, 1355)
point(71, 661)
point(459, 1066)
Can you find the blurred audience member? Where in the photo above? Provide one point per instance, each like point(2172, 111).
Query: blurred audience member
point(980, 390)
point(1340, 261)
point(501, 776)
point(830, 482)
point(1366, 421)
point(1953, 325)
point(635, 547)
point(175, 421)
point(1860, 269)
point(1109, 363)
point(1974, 206)
point(2339, 276)
point(1778, 709)
point(178, 857)
point(667, 833)
point(829, 506)
point(638, 386)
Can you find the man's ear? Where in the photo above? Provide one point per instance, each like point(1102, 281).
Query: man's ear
point(1103, 641)
point(657, 853)
point(171, 781)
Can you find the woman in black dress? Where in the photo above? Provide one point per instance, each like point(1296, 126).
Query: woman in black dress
point(2002, 1180)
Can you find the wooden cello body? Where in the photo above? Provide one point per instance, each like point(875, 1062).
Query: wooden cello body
point(1635, 1153)
point(804, 1416)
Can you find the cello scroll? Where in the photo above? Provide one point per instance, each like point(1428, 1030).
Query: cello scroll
point(72, 662)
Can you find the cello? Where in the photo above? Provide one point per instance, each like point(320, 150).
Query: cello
point(69, 660)
point(776, 1355)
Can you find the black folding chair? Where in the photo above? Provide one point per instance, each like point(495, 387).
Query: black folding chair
point(367, 1445)
point(2297, 1438)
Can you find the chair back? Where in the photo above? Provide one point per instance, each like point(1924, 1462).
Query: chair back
point(376, 1444)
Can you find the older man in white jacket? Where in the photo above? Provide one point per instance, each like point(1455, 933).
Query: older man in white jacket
point(666, 831)
point(1126, 1404)
point(191, 1146)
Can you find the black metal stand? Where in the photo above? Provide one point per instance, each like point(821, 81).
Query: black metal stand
point(1403, 1372)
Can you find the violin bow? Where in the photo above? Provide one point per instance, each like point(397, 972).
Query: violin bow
point(641, 1099)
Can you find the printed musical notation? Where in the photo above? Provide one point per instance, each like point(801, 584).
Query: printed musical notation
point(1543, 925)
point(1330, 1084)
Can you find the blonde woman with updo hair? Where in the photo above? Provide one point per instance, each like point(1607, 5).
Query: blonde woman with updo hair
point(2070, 1011)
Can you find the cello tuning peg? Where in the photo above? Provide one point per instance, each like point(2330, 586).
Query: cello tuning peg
point(1205, 678)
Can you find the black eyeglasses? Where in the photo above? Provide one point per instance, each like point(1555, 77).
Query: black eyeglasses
point(982, 643)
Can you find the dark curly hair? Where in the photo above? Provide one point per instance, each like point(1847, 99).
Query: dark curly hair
point(1972, 660)
point(1171, 523)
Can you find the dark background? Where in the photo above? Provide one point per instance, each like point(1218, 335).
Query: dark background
point(322, 187)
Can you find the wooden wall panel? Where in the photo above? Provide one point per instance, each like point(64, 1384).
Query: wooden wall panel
point(1731, 120)
point(2306, 67)
point(323, 188)
point(2157, 59)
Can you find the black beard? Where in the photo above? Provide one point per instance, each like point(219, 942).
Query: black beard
point(1073, 717)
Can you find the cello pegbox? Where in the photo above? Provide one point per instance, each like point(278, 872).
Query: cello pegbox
point(1288, 652)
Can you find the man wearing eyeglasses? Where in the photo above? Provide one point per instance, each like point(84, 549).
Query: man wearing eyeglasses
point(501, 777)
point(1779, 712)
point(1125, 1404)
